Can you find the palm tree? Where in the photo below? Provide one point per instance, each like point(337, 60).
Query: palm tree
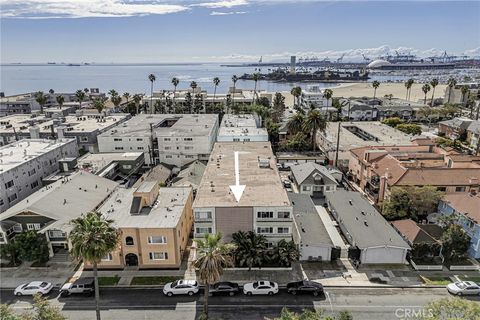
point(286, 252)
point(151, 78)
point(295, 123)
point(314, 122)
point(113, 93)
point(99, 103)
point(136, 99)
point(375, 85)
point(126, 95)
point(41, 99)
point(216, 82)
point(116, 100)
point(408, 84)
point(193, 85)
point(51, 91)
point(465, 90)
point(256, 76)
point(212, 257)
point(328, 94)
point(60, 100)
point(451, 84)
point(425, 89)
point(234, 80)
point(175, 83)
point(296, 92)
point(433, 83)
point(80, 95)
point(86, 90)
point(92, 238)
point(250, 248)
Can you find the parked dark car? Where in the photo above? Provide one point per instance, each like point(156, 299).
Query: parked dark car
point(305, 286)
point(229, 288)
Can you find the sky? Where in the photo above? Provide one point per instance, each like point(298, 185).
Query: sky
point(165, 31)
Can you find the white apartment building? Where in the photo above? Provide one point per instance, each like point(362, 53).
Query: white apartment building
point(241, 128)
point(174, 139)
point(313, 95)
point(25, 163)
point(263, 206)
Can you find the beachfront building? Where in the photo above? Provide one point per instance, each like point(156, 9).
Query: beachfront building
point(84, 129)
point(454, 94)
point(262, 207)
point(313, 96)
point(49, 211)
point(357, 134)
point(377, 170)
point(465, 207)
point(173, 139)
point(25, 163)
point(241, 128)
point(154, 225)
point(371, 237)
point(309, 232)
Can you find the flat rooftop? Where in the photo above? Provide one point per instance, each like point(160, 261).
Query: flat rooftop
point(365, 133)
point(240, 125)
point(72, 123)
point(15, 154)
point(97, 161)
point(263, 185)
point(174, 124)
point(165, 213)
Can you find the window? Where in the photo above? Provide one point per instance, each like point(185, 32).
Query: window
point(460, 189)
point(166, 139)
point(127, 166)
point(139, 148)
point(56, 234)
point(33, 226)
point(283, 230)
point(117, 139)
point(158, 255)
point(264, 230)
point(139, 139)
point(189, 156)
point(441, 189)
point(2, 238)
point(18, 227)
point(187, 139)
point(34, 184)
point(168, 148)
point(283, 215)
point(203, 230)
point(118, 148)
point(13, 197)
point(83, 139)
point(203, 215)
point(236, 139)
point(9, 184)
point(188, 148)
point(31, 172)
point(129, 241)
point(1, 202)
point(108, 257)
point(246, 139)
point(168, 157)
point(264, 214)
point(306, 188)
point(157, 239)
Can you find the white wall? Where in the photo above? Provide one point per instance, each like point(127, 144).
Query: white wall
point(383, 255)
point(315, 252)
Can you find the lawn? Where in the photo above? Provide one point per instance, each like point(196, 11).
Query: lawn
point(438, 281)
point(108, 281)
point(470, 278)
point(142, 281)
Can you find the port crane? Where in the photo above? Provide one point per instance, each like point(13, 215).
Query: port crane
point(341, 58)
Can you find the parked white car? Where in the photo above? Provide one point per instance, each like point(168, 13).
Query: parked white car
point(464, 288)
point(189, 287)
point(34, 287)
point(260, 287)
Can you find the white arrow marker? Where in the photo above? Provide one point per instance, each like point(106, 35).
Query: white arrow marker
point(237, 189)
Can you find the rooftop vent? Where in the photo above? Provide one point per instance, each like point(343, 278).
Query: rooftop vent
point(351, 203)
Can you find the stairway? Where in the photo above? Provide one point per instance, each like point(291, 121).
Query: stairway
point(61, 257)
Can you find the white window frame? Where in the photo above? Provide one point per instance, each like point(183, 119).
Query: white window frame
point(163, 239)
point(281, 228)
point(108, 257)
point(152, 255)
point(33, 226)
point(209, 230)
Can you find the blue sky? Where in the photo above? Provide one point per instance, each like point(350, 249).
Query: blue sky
point(231, 30)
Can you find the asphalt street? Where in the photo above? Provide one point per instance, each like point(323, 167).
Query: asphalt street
point(131, 303)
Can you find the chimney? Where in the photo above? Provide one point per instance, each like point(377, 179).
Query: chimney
point(34, 132)
point(61, 132)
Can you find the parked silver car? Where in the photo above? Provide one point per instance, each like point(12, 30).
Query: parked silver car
point(464, 288)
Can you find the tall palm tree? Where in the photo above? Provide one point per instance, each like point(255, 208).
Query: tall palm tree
point(296, 92)
point(51, 91)
point(116, 100)
point(175, 83)
point(80, 95)
point(314, 122)
point(216, 82)
point(86, 90)
point(375, 85)
point(99, 103)
point(250, 248)
point(295, 123)
point(151, 78)
point(92, 238)
point(193, 85)
point(113, 93)
point(126, 95)
point(136, 99)
point(234, 80)
point(425, 89)
point(328, 94)
point(212, 257)
point(433, 83)
point(408, 84)
point(256, 76)
point(451, 84)
point(41, 99)
point(60, 100)
point(465, 91)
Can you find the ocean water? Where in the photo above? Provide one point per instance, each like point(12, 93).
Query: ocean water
point(127, 78)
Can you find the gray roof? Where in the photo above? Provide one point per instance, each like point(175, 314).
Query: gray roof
point(67, 198)
point(367, 230)
point(309, 225)
point(462, 123)
point(191, 175)
point(474, 126)
point(304, 170)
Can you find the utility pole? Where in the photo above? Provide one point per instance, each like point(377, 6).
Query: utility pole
point(338, 143)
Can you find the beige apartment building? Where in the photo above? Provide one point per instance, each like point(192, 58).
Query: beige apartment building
point(154, 225)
